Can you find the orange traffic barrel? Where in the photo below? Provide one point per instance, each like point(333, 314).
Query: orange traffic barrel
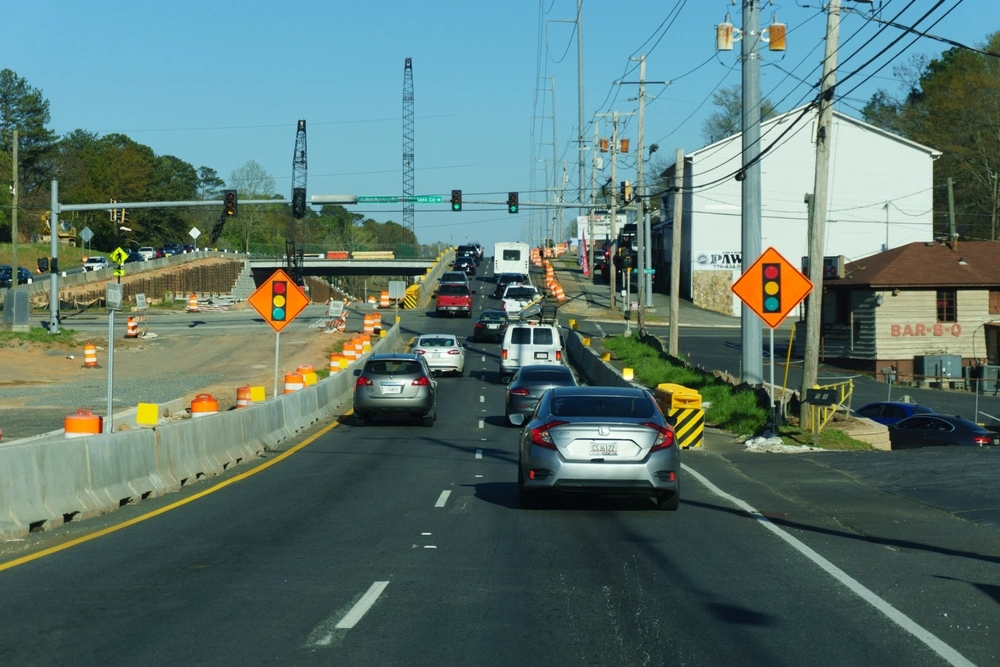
point(193, 303)
point(204, 405)
point(83, 424)
point(383, 301)
point(371, 299)
point(132, 330)
point(294, 382)
point(243, 399)
point(359, 346)
point(334, 362)
point(349, 352)
point(90, 356)
point(559, 293)
point(369, 325)
point(308, 373)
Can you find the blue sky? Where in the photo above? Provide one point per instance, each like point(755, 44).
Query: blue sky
point(220, 83)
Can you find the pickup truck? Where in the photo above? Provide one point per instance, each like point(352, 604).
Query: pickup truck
point(516, 297)
point(454, 298)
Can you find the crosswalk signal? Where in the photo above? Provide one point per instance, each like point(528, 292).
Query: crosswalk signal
point(231, 203)
point(456, 200)
point(512, 202)
point(279, 300)
point(771, 285)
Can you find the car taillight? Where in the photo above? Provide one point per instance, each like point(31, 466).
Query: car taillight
point(479, 325)
point(419, 351)
point(982, 440)
point(520, 392)
point(664, 437)
point(503, 354)
point(558, 355)
point(422, 381)
point(364, 382)
point(454, 352)
point(541, 437)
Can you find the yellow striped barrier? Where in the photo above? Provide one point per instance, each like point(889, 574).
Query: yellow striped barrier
point(682, 407)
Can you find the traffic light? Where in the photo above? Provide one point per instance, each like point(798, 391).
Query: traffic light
point(298, 203)
point(231, 203)
point(626, 192)
point(771, 285)
point(279, 297)
point(512, 202)
point(456, 200)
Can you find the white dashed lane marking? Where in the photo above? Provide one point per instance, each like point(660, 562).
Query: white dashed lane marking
point(442, 499)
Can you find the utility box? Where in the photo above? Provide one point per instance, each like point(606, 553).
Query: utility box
point(940, 369)
point(16, 311)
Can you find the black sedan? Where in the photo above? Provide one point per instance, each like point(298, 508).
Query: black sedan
point(530, 382)
point(939, 431)
point(490, 327)
point(466, 264)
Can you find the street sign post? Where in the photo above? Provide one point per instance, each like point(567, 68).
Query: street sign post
point(335, 310)
point(194, 234)
point(772, 287)
point(113, 300)
point(279, 301)
point(397, 291)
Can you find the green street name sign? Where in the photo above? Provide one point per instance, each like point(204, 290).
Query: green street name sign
point(389, 199)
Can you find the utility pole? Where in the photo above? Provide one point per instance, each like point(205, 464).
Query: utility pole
point(675, 254)
point(952, 235)
point(13, 221)
point(640, 197)
point(590, 212)
point(555, 158)
point(614, 204)
point(750, 325)
point(817, 221)
point(579, 96)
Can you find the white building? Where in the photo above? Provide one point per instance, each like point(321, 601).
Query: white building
point(881, 197)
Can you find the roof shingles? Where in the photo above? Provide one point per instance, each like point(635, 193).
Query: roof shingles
point(967, 264)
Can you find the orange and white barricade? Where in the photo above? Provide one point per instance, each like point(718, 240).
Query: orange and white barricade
point(204, 405)
point(90, 356)
point(294, 382)
point(192, 306)
point(132, 329)
point(383, 301)
point(243, 397)
point(82, 424)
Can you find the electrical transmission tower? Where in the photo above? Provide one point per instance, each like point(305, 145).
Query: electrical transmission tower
point(408, 192)
point(295, 241)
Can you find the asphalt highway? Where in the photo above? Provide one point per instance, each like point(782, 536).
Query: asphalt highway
point(397, 544)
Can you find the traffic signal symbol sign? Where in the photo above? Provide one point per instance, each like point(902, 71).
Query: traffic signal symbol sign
point(772, 287)
point(456, 200)
point(279, 300)
point(512, 202)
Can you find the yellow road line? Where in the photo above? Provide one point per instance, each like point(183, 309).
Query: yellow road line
point(163, 510)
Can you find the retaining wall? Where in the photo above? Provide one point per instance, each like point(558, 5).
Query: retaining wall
point(46, 481)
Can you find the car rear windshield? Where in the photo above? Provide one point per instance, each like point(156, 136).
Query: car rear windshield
point(575, 405)
point(393, 367)
point(493, 316)
point(437, 342)
point(454, 290)
point(453, 276)
point(554, 374)
point(521, 293)
point(543, 337)
point(520, 336)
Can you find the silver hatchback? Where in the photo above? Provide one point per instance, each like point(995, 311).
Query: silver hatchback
point(395, 385)
point(598, 440)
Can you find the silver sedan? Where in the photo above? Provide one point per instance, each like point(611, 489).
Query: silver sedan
point(598, 440)
point(442, 352)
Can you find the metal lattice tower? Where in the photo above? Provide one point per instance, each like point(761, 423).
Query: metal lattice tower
point(408, 192)
point(295, 241)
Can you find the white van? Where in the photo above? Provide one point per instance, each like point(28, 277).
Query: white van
point(529, 343)
point(511, 258)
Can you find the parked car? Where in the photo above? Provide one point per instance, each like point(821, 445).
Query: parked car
point(148, 252)
point(506, 279)
point(931, 430)
point(527, 343)
point(516, 297)
point(187, 247)
point(395, 384)
point(454, 299)
point(889, 412)
point(96, 263)
point(598, 439)
point(465, 264)
point(171, 248)
point(442, 352)
point(530, 382)
point(490, 326)
point(23, 276)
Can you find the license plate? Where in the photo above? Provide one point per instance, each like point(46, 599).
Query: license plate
point(492, 326)
point(603, 448)
point(541, 355)
point(392, 389)
point(435, 354)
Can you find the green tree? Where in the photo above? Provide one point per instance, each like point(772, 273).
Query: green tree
point(727, 119)
point(256, 223)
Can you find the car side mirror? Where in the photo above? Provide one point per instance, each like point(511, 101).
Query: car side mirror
point(517, 419)
point(357, 372)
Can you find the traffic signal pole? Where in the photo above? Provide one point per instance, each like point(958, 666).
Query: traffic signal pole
point(750, 326)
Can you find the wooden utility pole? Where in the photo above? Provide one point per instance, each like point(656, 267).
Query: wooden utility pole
point(820, 196)
point(952, 235)
point(13, 221)
point(639, 194)
point(675, 254)
point(614, 202)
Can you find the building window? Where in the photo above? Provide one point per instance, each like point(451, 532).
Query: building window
point(946, 310)
point(994, 302)
point(843, 306)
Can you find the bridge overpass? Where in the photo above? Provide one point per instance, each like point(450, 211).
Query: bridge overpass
point(315, 266)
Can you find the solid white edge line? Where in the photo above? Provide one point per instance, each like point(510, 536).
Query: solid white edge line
point(443, 498)
point(362, 607)
point(952, 656)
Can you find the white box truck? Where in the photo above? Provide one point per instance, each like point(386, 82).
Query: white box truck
point(511, 257)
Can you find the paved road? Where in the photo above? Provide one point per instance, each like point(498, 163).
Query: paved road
point(396, 544)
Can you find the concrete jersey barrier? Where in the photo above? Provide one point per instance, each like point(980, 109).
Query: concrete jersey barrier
point(45, 482)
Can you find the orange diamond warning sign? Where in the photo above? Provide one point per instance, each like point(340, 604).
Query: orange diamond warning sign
point(279, 300)
point(772, 287)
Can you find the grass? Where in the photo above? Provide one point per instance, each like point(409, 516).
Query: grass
point(28, 253)
point(829, 438)
point(732, 410)
point(38, 335)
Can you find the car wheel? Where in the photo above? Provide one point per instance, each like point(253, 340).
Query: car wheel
point(669, 501)
point(527, 500)
point(428, 420)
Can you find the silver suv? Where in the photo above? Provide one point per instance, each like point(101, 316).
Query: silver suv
point(395, 384)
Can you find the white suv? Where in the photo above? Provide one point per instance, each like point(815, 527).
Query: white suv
point(529, 343)
point(147, 252)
